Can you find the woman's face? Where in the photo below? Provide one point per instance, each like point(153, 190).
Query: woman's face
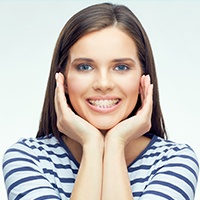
point(103, 77)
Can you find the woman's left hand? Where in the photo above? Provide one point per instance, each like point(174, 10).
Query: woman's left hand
point(136, 126)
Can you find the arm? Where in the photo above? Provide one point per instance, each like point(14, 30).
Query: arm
point(116, 184)
point(89, 180)
point(176, 175)
point(23, 175)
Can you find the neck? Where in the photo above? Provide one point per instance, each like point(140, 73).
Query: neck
point(134, 148)
point(74, 147)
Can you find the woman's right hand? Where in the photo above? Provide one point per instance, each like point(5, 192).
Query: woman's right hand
point(91, 140)
point(68, 122)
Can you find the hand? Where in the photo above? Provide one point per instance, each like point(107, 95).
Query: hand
point(135, 126)
point(68, 122)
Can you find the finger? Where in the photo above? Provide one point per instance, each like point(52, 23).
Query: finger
point(141, 88)
point(146, 91)
point(148, 103)
point(147, 82)
point(59, 81)
point(60, 99)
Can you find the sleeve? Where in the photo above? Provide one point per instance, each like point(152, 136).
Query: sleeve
point(176, 179)
point(23, 176)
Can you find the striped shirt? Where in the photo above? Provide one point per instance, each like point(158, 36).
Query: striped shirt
point(44, 168)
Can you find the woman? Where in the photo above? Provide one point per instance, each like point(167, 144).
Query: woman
point(102, 134)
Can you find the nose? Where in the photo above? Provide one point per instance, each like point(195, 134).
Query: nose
point(103, 81)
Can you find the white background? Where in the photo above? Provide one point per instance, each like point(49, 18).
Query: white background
point(29, 30)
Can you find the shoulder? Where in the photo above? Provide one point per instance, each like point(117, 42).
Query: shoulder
point(33, 149)
point(167, 151)
point(178, 163)
point(171, 150)
point(38, 161)
point(168, 168)
point(160, 152)
point(168, 158)
point(37, 144)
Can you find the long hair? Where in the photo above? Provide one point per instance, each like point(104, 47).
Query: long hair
point(95, 18)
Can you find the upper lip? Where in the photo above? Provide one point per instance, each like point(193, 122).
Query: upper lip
point(103, 98)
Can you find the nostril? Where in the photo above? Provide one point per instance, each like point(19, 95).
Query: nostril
point(103, 83)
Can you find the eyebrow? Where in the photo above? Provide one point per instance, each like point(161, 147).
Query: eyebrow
point(114, 60)
point(82, 59)
point(123, 60)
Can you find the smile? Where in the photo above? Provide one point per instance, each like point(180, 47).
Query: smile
point(104, 103)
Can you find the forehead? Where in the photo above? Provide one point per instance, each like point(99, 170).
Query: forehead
point(108, 41)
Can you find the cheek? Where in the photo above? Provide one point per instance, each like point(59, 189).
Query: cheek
point(132, 93)
point(74, 86)
point(76, 89)
point(131, 88)
point(132, 98)
point(74, 92)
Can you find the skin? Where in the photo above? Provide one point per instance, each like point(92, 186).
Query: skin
point(107, 77)
point(103, 67)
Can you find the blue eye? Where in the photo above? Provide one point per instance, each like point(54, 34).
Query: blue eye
point(84, 67)
point(121, 67)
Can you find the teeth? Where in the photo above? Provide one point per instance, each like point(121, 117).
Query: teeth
point(104, 103)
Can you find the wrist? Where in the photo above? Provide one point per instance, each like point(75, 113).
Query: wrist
point(92, 137)
point(114, 143)
point(94, 145)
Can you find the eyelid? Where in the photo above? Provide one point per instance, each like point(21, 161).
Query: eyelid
point(83, 64)
point(122, 64)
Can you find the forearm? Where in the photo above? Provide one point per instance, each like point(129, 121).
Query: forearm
point(116, 184)
point(89, 179)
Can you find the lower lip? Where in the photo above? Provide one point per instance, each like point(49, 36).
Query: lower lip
point(104, 110)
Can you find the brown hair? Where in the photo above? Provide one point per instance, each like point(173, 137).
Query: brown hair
point(94, 18)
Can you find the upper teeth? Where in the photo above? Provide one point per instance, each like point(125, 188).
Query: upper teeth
point(104, 103)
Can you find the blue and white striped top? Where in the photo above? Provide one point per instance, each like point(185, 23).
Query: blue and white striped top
point(44, 168)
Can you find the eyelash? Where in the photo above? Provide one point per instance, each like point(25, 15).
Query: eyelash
point(81, 67)
point(124, 66)
point(84, 67)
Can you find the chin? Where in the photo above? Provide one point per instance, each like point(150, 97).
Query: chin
point(104, 127)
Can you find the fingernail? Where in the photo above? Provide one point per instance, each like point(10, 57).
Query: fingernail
point(56, 76)
point(149, 78)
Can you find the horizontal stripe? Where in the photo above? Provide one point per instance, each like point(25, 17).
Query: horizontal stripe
point(15, 150)
point(158, 194)
point(183, 166)
point(20, 196)
point(20, 169)
point(172, 186)
point(23, 180)
point(48, 163)
point(17, 160)
point(60, 190)
point(181, 177)
point(49, 197)
point(63, 180)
